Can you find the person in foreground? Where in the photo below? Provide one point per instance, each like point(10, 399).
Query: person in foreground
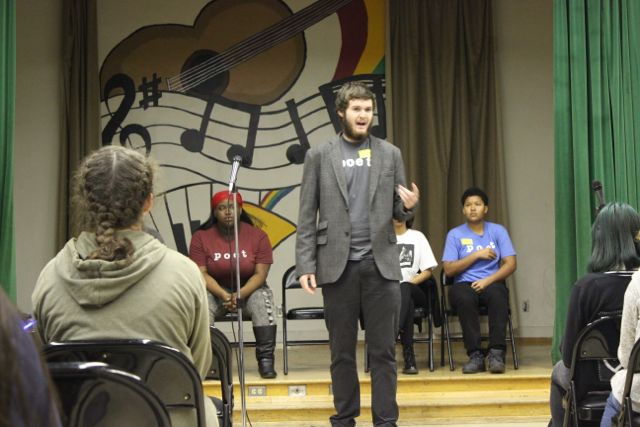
point(213, 248)
point(479, 256)
point(352, 187)
point(629, 334)
point(614, 256)
point(417, 262)
point(26, 399)
point(116, 281)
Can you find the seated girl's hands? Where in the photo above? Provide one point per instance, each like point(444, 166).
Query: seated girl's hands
point(229, 302)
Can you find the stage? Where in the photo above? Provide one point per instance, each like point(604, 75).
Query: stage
point(443, 397)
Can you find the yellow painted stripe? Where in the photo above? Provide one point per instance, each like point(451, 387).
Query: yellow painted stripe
point(374, 50)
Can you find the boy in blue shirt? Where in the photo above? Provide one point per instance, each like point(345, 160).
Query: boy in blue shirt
point(479, 256)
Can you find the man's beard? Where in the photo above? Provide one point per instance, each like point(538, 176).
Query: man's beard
point(351, 134)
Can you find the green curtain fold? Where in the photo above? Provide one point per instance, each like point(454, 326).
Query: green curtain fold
point(596, 126)
point(7, 114)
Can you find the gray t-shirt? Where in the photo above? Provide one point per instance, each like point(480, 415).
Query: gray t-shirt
point(356, 161)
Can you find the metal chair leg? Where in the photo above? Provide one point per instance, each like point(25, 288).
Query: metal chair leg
point(513, 344)
point(448, 338)
point(430, 331)
point(285, 348)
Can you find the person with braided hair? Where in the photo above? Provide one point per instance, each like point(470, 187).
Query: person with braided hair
point(116, 281)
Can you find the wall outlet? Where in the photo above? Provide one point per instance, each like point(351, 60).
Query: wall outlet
point(257, 390)
point(297, 390)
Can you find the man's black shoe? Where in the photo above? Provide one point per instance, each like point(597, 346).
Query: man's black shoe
point(475, 363)
point(495, 361)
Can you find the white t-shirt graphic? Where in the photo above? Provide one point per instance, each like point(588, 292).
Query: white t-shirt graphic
point(415, 254)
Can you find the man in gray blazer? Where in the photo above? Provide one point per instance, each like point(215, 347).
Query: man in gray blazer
point(351, 189)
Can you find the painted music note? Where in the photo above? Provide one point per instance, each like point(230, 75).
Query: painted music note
point(150, 92)
point(193, 139)
point(296, 153)
point(124, 83)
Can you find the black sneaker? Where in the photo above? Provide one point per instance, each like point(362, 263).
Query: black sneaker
point(475, 363)
point(495, 361)
point(409, 360)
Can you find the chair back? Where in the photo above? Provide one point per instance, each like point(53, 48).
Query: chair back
point(593, 356)
point(445, 282)
point(447, 310)
point(290, 282)
point(316, 312)
point(165, 370)
point(633, 367)
point(222, 371)
point(96, 395)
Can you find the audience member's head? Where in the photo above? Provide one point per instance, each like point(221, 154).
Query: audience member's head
point(614, 239)
point(113, 190)
point(25, 398)
point(408, 223)
point(475, 205)
point(352, 90)
point(221, 206)
point(474, 191)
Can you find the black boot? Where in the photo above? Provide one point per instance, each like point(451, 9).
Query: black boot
point(265, 345)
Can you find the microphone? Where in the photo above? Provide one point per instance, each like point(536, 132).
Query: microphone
point(235, 165)
point(596, 186)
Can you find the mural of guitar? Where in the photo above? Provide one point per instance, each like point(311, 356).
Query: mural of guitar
point(251, 58)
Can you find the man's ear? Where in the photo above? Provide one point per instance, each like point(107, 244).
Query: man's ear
point(341, 114)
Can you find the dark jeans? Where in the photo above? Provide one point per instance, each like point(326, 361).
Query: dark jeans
point(362, 289)
point(467, 302)
point(411, 297)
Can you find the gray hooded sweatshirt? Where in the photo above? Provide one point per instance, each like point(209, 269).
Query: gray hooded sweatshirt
point(160, 296)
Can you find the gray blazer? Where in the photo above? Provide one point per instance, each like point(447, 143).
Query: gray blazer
point(324, 229)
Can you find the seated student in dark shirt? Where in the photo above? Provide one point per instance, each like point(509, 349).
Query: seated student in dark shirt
point(614, 257)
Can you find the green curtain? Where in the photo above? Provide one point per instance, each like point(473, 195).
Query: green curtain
point(7, 112)
point(597, 120)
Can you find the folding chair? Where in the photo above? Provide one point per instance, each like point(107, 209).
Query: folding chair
point(420, 315)
point(230, 317)
point(163, 369)
point(593, 358)
point(290, 282)
point(448, 311)
point(94, 394)
point(221, 370)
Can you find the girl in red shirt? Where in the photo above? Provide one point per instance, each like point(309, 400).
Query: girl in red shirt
point(213, 250)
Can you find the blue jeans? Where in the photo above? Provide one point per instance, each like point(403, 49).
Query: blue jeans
point(612, 409)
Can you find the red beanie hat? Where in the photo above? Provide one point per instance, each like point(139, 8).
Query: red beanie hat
point(221, 196)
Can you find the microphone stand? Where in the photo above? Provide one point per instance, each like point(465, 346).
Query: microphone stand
point(239, 301)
